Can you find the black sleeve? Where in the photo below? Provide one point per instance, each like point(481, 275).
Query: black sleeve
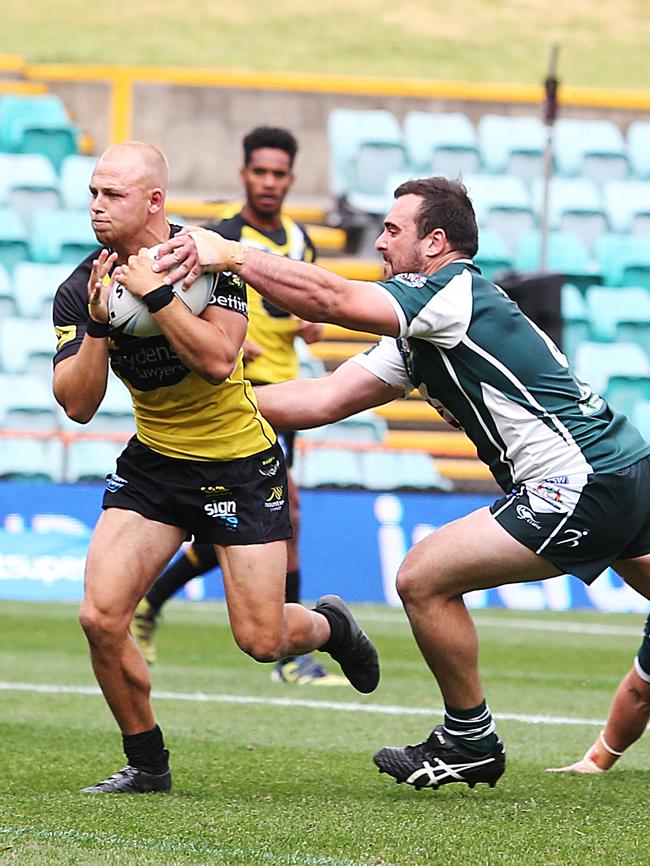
point(230, 293)
point(70, 311)
point(230, 229)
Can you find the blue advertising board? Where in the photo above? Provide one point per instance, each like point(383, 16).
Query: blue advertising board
point(352, 543)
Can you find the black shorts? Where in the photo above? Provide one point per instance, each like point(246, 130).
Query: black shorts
point(582, 524)
point(228, 502)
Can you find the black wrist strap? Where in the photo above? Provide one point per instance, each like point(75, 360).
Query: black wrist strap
point(158, 298)
point(96, 329)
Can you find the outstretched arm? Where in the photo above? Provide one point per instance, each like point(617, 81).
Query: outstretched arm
point(304, 403)
point(308, 291)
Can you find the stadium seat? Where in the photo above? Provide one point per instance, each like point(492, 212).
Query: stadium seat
point(597, 366)
point(14, 245)
point(91, 459)
point(566, 254)
point(441, 143)
point(32, 459)
point(26, 403)
point(627, 205)
point(37, 124)
point(310, 366)
point(625, 391)
point(512, 145)
point(641, 417)
point(501, 203)
point(35, 285)
point(638, 145)
point(493, 254)
point(401, 470)
point(624, 259)
point(61, 236)
point(619, 314)
point(575, 320)
point(365, 146)
point(330, 467)
point(114, 415)
point(591, 148)
point(26, 346)
point(575, 204)
point(76, 171)
point(8, 306)
point(30, 183)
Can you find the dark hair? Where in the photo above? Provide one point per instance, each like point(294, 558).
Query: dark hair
point(270, 136)
point(445, 205)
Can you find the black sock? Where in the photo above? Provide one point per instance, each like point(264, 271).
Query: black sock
point(195, 560)
point(146, 751)
point(339, 626)
point(292, 587)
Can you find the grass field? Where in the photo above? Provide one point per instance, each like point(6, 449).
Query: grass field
point(473, 40)
point(281, 775)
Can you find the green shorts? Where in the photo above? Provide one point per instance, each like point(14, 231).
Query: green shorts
point(582, 524)
point(228, 502)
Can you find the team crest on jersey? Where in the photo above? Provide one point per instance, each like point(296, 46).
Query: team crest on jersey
point(415, 281)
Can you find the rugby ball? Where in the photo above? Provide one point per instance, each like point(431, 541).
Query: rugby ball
point(130, 315)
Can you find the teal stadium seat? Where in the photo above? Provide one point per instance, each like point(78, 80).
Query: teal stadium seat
point(30, 184)
point(26, 346)
point(330, 467)
point(441, 143)
point(402, 470)
point(575, 320)
point(575, 204)
point(311, 367)
point(62, 236)
point(14, 243)
point(638, 145)
point(362, 427)
point(76, 171)
point(627, 204)
point(37, 124)
point(33, 459)
point(7, 299)
point(35, 285)
point(641, 417)
point(501, 203)
point(624, 259)
point(620, 314)
point(26, 403)
point(591, 148)
point(567, 254)
point(493, 254)
point(365, 146)
point(91, 459)
point(512, 145)
point(597, 365)
point(114, 415)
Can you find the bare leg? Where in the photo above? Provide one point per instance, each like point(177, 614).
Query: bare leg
point(126, 553)
point(471, 553)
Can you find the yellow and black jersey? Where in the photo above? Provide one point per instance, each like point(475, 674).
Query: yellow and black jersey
point(272, 329)
point(177, 412)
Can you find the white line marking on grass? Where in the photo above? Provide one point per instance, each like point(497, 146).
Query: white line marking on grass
point(340, 706)
point(225, 853)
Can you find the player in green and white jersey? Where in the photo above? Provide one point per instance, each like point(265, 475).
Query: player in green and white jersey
point(575, 474)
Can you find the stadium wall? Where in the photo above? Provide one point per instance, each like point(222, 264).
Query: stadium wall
point(352, 543)
point(199, 116)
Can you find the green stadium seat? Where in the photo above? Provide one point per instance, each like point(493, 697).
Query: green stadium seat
point(591, 148)
point(618, 313)
point(330, 467)
point(624, 259)
point(512, 145)
point(441, 143)
point(91, 459)
point(35, 285)
point(26, 346)
point(638, 145)
point(76, 171)
point(502, 203)
point(575, 204)
point(493, 254)
point(567, 254)
point(627, 205)
point(37, 124)
point(575, 320)
point(641, 417)
point(31, 184)
point(62, 236)
point(8, 305)
point(14, 244)
point(597, 365)
point(362, 427)
point(32, 459)
point(401, 470)
point(26, 403)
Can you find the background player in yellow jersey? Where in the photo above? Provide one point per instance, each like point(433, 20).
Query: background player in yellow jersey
point(269, 356)
point(203, 462)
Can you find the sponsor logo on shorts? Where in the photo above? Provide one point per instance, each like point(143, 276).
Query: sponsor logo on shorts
point(527, 515)
point(114, 482)
point(572, 537)
point(415, 281)
point(270, 467)
point(214, 490)
point(275, 500)
point(224, 511)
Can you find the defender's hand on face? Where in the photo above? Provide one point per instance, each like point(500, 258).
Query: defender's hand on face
point(98, 287)
point(137, 275)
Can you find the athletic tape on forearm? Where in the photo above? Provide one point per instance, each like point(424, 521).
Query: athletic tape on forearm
point(216, 253)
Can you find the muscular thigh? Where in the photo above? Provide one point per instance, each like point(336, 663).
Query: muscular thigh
point(126, 554)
